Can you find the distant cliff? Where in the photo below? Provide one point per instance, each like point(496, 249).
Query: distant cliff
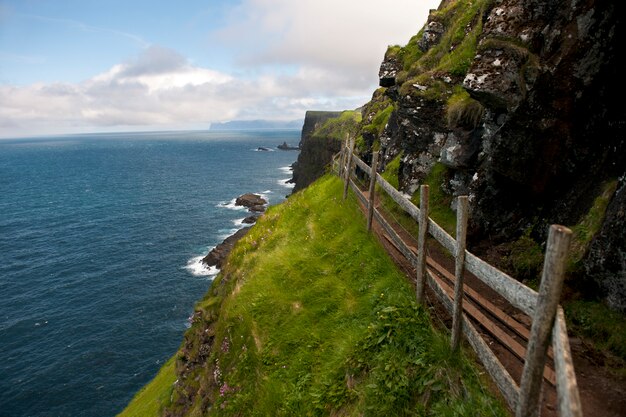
point(315, 150)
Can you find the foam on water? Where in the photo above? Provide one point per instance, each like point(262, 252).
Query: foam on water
point(231, 205)
point(199, 269)
point(224, 233)
point(285, 183)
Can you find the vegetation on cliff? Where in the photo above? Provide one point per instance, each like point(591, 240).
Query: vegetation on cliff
point(310, 317)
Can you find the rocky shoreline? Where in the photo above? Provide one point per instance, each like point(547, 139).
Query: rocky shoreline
point(256, 206)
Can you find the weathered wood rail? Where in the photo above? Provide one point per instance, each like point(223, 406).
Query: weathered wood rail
point(548, 321)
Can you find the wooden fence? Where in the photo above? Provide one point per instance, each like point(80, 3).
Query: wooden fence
point(548, 321)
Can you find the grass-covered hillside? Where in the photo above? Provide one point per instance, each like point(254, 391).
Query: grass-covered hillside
point(310, 317)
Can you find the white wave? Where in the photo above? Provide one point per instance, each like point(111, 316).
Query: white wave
point(263, 150)
point(264, 195)
point(239, 222)
point(231, 205)
point(199, 269)
point(287, 169)
point(224, 233)
point(286, 184)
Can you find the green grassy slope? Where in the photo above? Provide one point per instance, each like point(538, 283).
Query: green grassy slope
point(310, 317)
point(149, 401)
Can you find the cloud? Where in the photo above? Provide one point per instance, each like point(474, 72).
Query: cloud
point(347, 35)
point(293, 57)
point(160, 89)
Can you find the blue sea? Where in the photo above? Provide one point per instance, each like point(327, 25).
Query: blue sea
point(100, 241)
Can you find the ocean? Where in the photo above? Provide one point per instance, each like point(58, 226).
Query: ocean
point(100, 241)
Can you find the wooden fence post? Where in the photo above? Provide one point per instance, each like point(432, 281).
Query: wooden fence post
point(549, 294)
point(370, 207)
point(348, 169)
point(461, 231)
point(421, 244)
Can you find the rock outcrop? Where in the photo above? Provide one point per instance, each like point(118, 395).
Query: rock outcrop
point(606, 261)
point(250, 201)
point(256, 205)
point(518, 104)
point(315, 151)
point(218, 255)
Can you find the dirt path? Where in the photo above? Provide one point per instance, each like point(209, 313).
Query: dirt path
point(602, 393)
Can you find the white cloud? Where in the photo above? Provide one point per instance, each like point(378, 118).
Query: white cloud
point(344, 35)
point(294, 56)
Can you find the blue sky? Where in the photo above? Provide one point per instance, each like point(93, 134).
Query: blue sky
point(90, 66)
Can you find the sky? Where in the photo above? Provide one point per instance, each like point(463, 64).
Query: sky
point(82, 66)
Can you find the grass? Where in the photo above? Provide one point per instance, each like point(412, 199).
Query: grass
point(391, 207)
point(463, 111)
point(525, 260)
point(589, 225)
point(438, 201)
point(310, 317)
point(379, 121)
point(603, 327)
point(149, 401)
point(339, 127)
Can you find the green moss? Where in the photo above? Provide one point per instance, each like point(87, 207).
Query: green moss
point(525, 259)
point(438, 200)
point(513, 46)
point(435, 89)
point(151, 399)
point(379, 121)
point(393, 51)
point(339, 127)
point(392, 170)
point(391, 175)
point(463, 111)
point(604, 328)
point(589, 225)
point(455, 50)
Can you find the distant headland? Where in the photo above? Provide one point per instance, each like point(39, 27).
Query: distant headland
point(257, 124)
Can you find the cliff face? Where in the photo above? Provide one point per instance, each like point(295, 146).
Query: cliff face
point(316, 150)
point(517, 104)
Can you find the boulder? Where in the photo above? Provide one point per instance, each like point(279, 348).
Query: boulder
point(250, 200)
point(250, 219)
point(218, 255)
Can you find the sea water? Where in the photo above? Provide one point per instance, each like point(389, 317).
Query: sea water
point(100, 242)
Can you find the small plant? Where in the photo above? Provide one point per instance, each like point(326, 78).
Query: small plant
point(463, 111)
point(526, 259)
point(589, 225)
point(601, 326)
point(439, 201)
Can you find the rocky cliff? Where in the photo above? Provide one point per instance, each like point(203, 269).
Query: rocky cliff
point(316, 148)
point(517, 104)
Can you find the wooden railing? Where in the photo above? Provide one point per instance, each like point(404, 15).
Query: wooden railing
point(548, 321)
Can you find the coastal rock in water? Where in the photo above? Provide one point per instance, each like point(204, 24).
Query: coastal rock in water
point(250, 200)
point(257, 209)
point(250, 219)
point(286, 147)
point(219, 254)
